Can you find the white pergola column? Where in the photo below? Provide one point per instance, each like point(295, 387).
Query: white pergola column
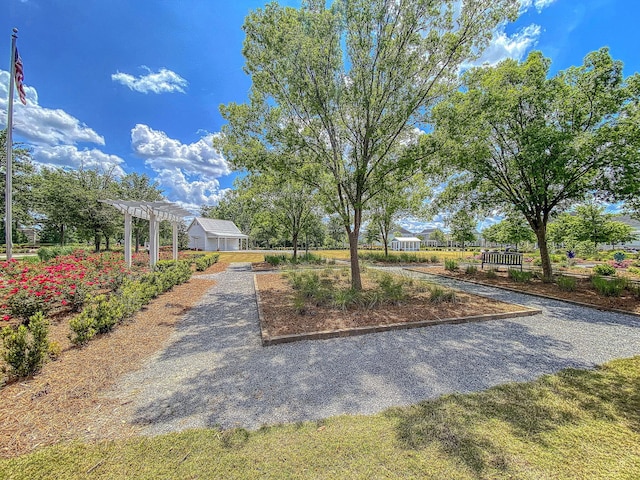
point(157, 239)
point(174, 227)
point(127, 239)
point(152, 239)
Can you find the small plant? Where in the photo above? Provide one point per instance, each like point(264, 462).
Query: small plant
point(299, 305)
point(491, 273)
point(25, 304)
point(609, 287)
point(604, 269)
point(568, 284)
point(391, 288)
point(471, 270)
point(519, 276)
point(434, 259)
point(634, 289)
point(442, 295)
point(342, 299)
point(55, 350)
point(450, 264)
point(25, 347)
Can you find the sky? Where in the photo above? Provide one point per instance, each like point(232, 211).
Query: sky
point(135, 85)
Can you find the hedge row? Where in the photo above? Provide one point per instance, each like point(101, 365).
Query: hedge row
point(102, 313)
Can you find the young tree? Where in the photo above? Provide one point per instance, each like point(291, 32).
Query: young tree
point(56, 191)
point(463, 227)
point(531, 142)
point(337, 92)
point(439, 236)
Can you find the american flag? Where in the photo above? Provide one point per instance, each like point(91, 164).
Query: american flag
point(19, 76)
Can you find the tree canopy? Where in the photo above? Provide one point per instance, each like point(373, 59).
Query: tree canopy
point(532, 142)
point(338, 94)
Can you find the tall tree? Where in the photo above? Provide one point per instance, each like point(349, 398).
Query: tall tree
point(57, 194)
point(531, 142)
point(513, 229)
point(22, 203)
point(337, 92)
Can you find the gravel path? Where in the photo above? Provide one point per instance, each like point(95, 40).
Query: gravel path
point(215, 372)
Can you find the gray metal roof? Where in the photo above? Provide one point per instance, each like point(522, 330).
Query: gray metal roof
point(219, 228)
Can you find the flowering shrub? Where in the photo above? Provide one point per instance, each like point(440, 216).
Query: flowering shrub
point(61, 283)
point(25, 348)
point(620, 264)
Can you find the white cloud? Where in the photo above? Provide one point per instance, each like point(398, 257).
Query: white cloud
point(71, 156)
point(162, 81)
point(189, 193)
point(161, 152)
point(187, 173)
point(538, 4)
point(40, 125)
point(515, 46)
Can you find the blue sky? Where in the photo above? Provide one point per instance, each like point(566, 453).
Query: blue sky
point(136, 85)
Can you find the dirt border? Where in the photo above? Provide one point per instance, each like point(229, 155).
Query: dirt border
point(539, 295)
point(352, 332)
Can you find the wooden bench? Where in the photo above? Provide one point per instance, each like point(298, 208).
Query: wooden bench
point(510, 259)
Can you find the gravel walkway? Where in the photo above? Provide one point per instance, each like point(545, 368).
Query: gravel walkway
point(216, 373)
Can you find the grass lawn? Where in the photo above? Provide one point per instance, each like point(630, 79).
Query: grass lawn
point(240, 256)
point(575, 424)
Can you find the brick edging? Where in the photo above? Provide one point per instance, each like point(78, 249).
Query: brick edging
point(351, 332)
point(533, 294)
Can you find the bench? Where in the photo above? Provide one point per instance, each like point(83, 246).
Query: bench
point(510, 259)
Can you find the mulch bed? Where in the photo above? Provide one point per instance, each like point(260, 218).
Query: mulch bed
point(584, 293)
point(66, 401)
point(280, 318)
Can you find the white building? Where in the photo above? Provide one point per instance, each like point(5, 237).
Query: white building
point(405, 244)
point(212, 235)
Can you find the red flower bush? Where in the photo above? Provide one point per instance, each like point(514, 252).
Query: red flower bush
point(60, 283)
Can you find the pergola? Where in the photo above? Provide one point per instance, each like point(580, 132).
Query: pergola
point(155, 212)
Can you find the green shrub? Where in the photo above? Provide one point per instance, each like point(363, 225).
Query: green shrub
point(634, 289)
point(25, 348)
point(342, 299)
point(491, 273)
point(310, 258)
point(634, 270)
point(275, 260)
point(609, 287)
point(205, 261)
point(471, 270)
point(450, 264)
point(25, 304)
point(604, 269)
point(434, 259)
point(48, 253)
point(439, 294)
point(568, 284)
point(82, 329)
point(519, 276)
point(391, 288)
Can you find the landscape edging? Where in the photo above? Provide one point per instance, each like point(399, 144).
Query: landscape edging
point(539, 295)
point(351, 332)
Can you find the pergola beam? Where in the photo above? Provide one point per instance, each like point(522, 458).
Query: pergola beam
point(155, 212)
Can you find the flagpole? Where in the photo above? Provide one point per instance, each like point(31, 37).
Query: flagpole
point(8, 183)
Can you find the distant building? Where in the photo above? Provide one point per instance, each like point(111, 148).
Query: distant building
point(210, 234)
point(406, 244)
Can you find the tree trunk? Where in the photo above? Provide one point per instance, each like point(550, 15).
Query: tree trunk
point(137, 234)
point(356, 281)
point(294, 241)
point(106, 241)
point(541, 235)
point(97, 240)
point(62, 235)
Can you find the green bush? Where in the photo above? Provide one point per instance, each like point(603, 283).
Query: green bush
point(205, 261)
point(471, 270)
point(102, 313)
point(434, 259)
point(275, 260)
point(604, 269)
point(48, 253)
point(519, 276)
point(392, 288)
point(25, 348)
point(439, 294)
point(491, 273)
point(634, 270)
point(450, 264)
point(568, 284)
point(609, 287)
